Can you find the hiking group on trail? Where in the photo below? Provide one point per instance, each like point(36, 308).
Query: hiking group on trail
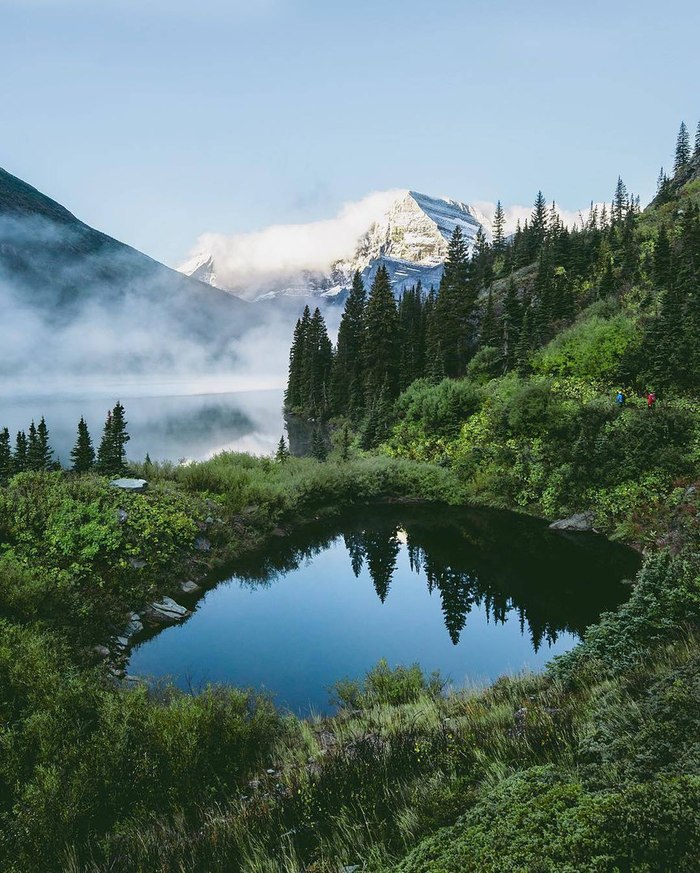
point(621, 399)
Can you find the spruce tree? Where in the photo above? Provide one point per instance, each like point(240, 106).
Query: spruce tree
point(39, 452)
point(318, 445)
point(345, 443)
point(293, 394)
point(696, 152)
point(620, 202)
point(490, 334)
point(347, 379)
point(381, 343)
point(5, 455)
point(682, 150)
point(499, 229)
point(282, 453)
point(119, 439)
point(19, 457)
point(83, 453)
point(512, 324)
point(105, 456)
point(451, 328)
point(539, 222)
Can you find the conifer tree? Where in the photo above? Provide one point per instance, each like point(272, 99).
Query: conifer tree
point(522, 352)
point(347, 378)
point(293, 394)
point(345, 443)
point(512, 324)
point(620, 202)
point(696, 152)
point(317, 363)
point(19, 458)
point(83, 453)
point(682, 150)
point(5, 455)
point(539, 222)
point(105, 458)
point(499, 229)
point(451, 329)
point(282, 453)
point(39, 452)
point(318, 445)
point(119, 438)
point(490, 335)
point(662, 259)
point(381, 344)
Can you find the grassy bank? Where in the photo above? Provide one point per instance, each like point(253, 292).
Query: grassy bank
point(593, 764)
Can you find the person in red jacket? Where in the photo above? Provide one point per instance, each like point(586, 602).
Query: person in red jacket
point(651, 399)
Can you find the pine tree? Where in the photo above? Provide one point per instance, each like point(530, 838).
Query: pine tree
point(512, 324)
point(696, 152)
point(499, 229)
point(490, 335)
point(347, 378)
point(682, 150)
point(345, 443)
point(5, 455)
point(451, 331)
point(662, 259)
point(119, 438)
point(105, 458)
point(282, 453)
point(19, 457)
point(318, 445)
point(381, 343)
point(293, 394)
point(83, 452)
point(539, 222)
point(39, 452)
point(522, 352)
point(620, 202)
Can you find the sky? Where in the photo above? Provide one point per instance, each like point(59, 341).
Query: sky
point(159, 120)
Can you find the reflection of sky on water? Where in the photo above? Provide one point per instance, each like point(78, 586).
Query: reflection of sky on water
point(167, 425)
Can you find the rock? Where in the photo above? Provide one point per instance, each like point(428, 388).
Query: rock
point(279, 532)
point(101, 651)
point(167, 611)
point(122, 515)
point(137, 563)
point(209, 520)
point(129, 484)
point(202, 544)
point(122, 642)
point(189, 587)
point(134, 627)
point(580, 521)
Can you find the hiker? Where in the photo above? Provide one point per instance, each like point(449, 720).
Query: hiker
point(651, 400)
point(620, 399)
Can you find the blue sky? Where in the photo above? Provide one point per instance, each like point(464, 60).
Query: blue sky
point(157, 120)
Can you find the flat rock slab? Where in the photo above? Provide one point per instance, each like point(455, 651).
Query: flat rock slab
point(129, 484)
point(189, 587)
point(581, 521)
point(167, 611)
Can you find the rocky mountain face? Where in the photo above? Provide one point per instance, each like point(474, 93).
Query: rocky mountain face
point(410, 238)
point(66, 286)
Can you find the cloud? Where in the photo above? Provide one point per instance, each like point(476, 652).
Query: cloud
point(252, 262)
point(513, 214)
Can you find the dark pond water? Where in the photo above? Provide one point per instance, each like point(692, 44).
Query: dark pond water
point(474, 594)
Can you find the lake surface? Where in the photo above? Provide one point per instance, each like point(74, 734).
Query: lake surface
point(474, 594)
point(169, 426)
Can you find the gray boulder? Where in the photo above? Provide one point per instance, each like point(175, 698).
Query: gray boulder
point(167, 611)
point(134, 627)
point(580, 521)
point(189, 587)
point(202, 544)
point(129, 484)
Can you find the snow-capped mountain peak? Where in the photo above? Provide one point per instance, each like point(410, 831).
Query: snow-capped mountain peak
point(406, 231)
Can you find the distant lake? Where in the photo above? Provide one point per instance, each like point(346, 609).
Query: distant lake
point(169, 426)
point(474, 594)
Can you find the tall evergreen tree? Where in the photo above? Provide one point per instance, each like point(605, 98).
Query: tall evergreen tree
point(539, 223)
point(39, 452)
point(318, 445)
point(696, 152)
point(451, 329)
point(5, 455)
point(293, 394)
point(512, 324)
point(620, 202)
point(83, 453)
point(499, 229)
point(19, 457)
point(105, 457)
point(682, 157)
point(381, 345)
point(119, 438)
point(347, 378)
point(490, 334)
point(282, 453)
